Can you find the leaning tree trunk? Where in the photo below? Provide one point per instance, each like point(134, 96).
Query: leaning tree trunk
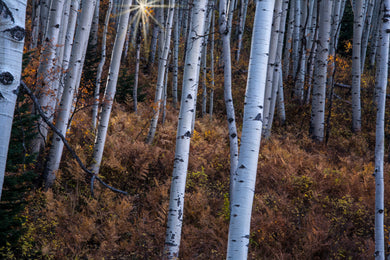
point(75, 66)
point(356, 65)
point(245, 176)
point(183, 136)
point(317, 120)
point(48, 74)
point(109, 93)
point(96, 93)
point(381, 85)
point(12, 19)
point(163, 62)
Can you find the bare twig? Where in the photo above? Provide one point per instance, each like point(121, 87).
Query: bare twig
point(61, 136)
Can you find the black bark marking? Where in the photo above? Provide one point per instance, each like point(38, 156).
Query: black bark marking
point(247, 236)
point(258, 117)
point(187, 134)
point(242, 166)
point(17, 33)
point(230, 120)
point(176, 177)
point(6, 78)
point(179, 215)
point(240, 181)
point(189, 96)
point(233, 135)
point(5, 12)
point(1, 96)
point(380, 211)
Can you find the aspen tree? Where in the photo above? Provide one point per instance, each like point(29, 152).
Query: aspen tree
point(48, 72)
point(225, 16)
point(183, 136)
point(96, 93)
point(35, 24)
point(75, 66)
point(110, 90)
point(162, 64)
point(381, 84)
point(272, 64)
point(211, 98)
point(317, 120)
point(245, 176)
point(136, 73)
point(356, 64)
point(176, 44)
point(12, 33)
point(241, 27)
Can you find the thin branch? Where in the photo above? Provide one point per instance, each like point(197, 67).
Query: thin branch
point(60, 135)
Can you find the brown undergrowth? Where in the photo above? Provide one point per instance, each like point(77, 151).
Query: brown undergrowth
point(311, 201)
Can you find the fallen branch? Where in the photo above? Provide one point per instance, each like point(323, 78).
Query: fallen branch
point(61, 136)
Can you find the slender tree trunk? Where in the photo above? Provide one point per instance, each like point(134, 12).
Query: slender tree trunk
point(211, 102)
point(176, 44)
point(12, 24)
point(367, 30)
point(245, 177)
point(356, 65)
point(136, 73)
point(241, 27)
point(317, 121)
point(96, 94)
point(44, 15)
point(281, 108)
point(289, 40)
point(272, 65)
point(109, 93)
point(163, 63)
point(183, 137)
point(380, 133)
point(225, 31)
point(153, 42)
point(48, 72)
point(35, 24)
point(93, 37)
point(75, 65)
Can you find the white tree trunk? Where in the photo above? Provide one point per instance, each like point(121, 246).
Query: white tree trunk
point(289, 39)
point(204, 61)
point(93, 37)
point(136, 73)
point(367, 30)
point(96, 93)
point(109, 93)
point(277, 86)
point(48, 72)
point(12, 22)
point(162, 64)
point(225, 10)
point(44, 15)
point(211, 102)
point(75, 66)
point(380, 133)
point(281, 108)
point(356, 64)
point(183, 136)
point(241, 27)
point(241, 207)
point(319, 86)
point(176, 44)
point(272, 65)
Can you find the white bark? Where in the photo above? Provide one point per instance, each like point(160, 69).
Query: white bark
point(380, 133)
point(367, 30)
point(136, 73)
point(109, 93)
point(176, 44)
point(272, 65)
point(190, 81)
point(356, 64)
point(162, 64)
point(241, 27)
point(12, 22)
point(225, 13)
point(277, 86)
point(296, 35)
point(319, 86)
point(48, 72)
point(211, 102)
point(239, 229)
point(96, 93)
point(281, 108)
point(44, 14)
point(204, 61)
point(93, 37)
point(75, 66)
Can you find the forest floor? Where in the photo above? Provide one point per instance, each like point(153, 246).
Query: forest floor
point(312, 201)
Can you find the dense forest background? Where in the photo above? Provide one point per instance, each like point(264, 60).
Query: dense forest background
point(313, 200)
